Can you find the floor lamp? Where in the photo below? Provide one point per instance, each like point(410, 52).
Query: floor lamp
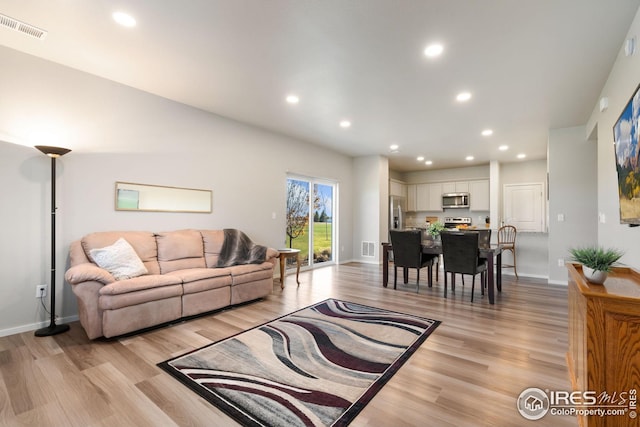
point(53, 329)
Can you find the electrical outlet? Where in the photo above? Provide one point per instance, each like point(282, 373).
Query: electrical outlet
point(41, 291)
point(560, 262)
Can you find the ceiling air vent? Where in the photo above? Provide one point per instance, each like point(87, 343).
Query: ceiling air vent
point(29, 30)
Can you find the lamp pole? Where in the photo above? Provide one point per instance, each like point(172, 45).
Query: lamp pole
point(53, 329)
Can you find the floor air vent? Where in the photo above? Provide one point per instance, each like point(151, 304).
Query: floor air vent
point(21, 27)
point(368, 249)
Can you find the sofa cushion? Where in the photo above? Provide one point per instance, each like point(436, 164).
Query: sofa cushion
point(179, 250)
point(143, 242)
point(195, 274)
point(202, 279)
point(119, 259)
point(251, 272)
point(213, 240)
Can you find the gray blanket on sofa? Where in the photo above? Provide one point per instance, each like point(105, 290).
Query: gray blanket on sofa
point(238, 248)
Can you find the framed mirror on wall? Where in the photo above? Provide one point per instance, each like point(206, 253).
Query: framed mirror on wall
point(131, 196)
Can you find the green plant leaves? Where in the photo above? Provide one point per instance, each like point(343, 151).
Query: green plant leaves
point(596, 257)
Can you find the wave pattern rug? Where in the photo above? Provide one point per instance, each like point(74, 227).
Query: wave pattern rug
point(318, 366)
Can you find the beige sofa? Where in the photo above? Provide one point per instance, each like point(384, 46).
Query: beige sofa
point(182, 279)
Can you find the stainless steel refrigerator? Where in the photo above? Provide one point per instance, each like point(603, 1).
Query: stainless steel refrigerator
point(397, 208)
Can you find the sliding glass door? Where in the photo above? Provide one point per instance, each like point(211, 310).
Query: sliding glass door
point(310, 219)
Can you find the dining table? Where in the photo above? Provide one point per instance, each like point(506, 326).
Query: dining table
point(434, 247)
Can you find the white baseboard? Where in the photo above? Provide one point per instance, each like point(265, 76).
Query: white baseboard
point(529, 275)
point(362, 261)
point(36, 326)
point(558, 282)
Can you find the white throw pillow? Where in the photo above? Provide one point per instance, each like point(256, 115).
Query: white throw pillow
point(119, 259)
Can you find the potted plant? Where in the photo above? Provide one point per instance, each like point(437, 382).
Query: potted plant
point(434, 229)
point(596, 261)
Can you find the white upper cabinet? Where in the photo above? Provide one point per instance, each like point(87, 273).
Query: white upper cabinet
point(479, 195)
point(397, 188)
point(455, 187)
point(462, 186)
point(448, 187)
point(411, 197)
point(422, 197)
point(428, 196)
point(435, 196)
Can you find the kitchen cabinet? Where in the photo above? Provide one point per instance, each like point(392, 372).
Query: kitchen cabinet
point(411, 197)
point(479, 195)
point(448, 187)
point(435, 197)
point(397, 188)
point(462, 186)
point(428, 196)
point(455, 187)
point(422, 197)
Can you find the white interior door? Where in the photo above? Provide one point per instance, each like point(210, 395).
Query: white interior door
point(524, 206)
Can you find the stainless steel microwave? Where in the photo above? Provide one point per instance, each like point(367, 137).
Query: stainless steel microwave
point(455, 200)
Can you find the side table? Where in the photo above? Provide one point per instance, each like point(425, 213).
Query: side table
point(283, 254)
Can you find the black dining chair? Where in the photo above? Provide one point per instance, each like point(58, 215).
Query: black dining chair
point(407, 253)
point(461, 255)
point(484, 241)
point(484, 238)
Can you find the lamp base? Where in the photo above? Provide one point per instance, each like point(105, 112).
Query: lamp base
point(52, 329)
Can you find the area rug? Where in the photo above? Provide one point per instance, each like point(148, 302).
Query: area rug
point(318, 366)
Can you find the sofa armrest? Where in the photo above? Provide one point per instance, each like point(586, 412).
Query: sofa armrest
point(88, 272)
point(272, 255)
point(89, 312)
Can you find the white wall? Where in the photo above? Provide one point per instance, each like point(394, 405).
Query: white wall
point(622, 81)
point(572, 193)
point(122, 134)
point(371, 205)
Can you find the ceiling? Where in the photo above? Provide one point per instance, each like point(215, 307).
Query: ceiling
point(530, 66)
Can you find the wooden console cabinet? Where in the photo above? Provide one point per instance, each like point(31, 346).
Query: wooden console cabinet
point(604, 338)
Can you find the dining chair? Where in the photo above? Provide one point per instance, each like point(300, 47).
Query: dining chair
point(484, 240)
point(507, 239)
point(407, 253)
point(484, 237)
point(461, 255)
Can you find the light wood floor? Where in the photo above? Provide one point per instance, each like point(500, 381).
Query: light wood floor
point(468, 373)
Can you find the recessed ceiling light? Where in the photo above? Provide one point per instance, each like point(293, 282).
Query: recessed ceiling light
point(345, 124)
point(293, 99)
point(487, 132)
point(469, 158)
point(503, 148)
point(463, 96)
point(434, 50)
point(420, 158)
point(428, 163)
point(521, 156)
point(124, 19)
point(394, 147)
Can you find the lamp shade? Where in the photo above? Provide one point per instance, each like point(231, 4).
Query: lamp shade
point(52, 151)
